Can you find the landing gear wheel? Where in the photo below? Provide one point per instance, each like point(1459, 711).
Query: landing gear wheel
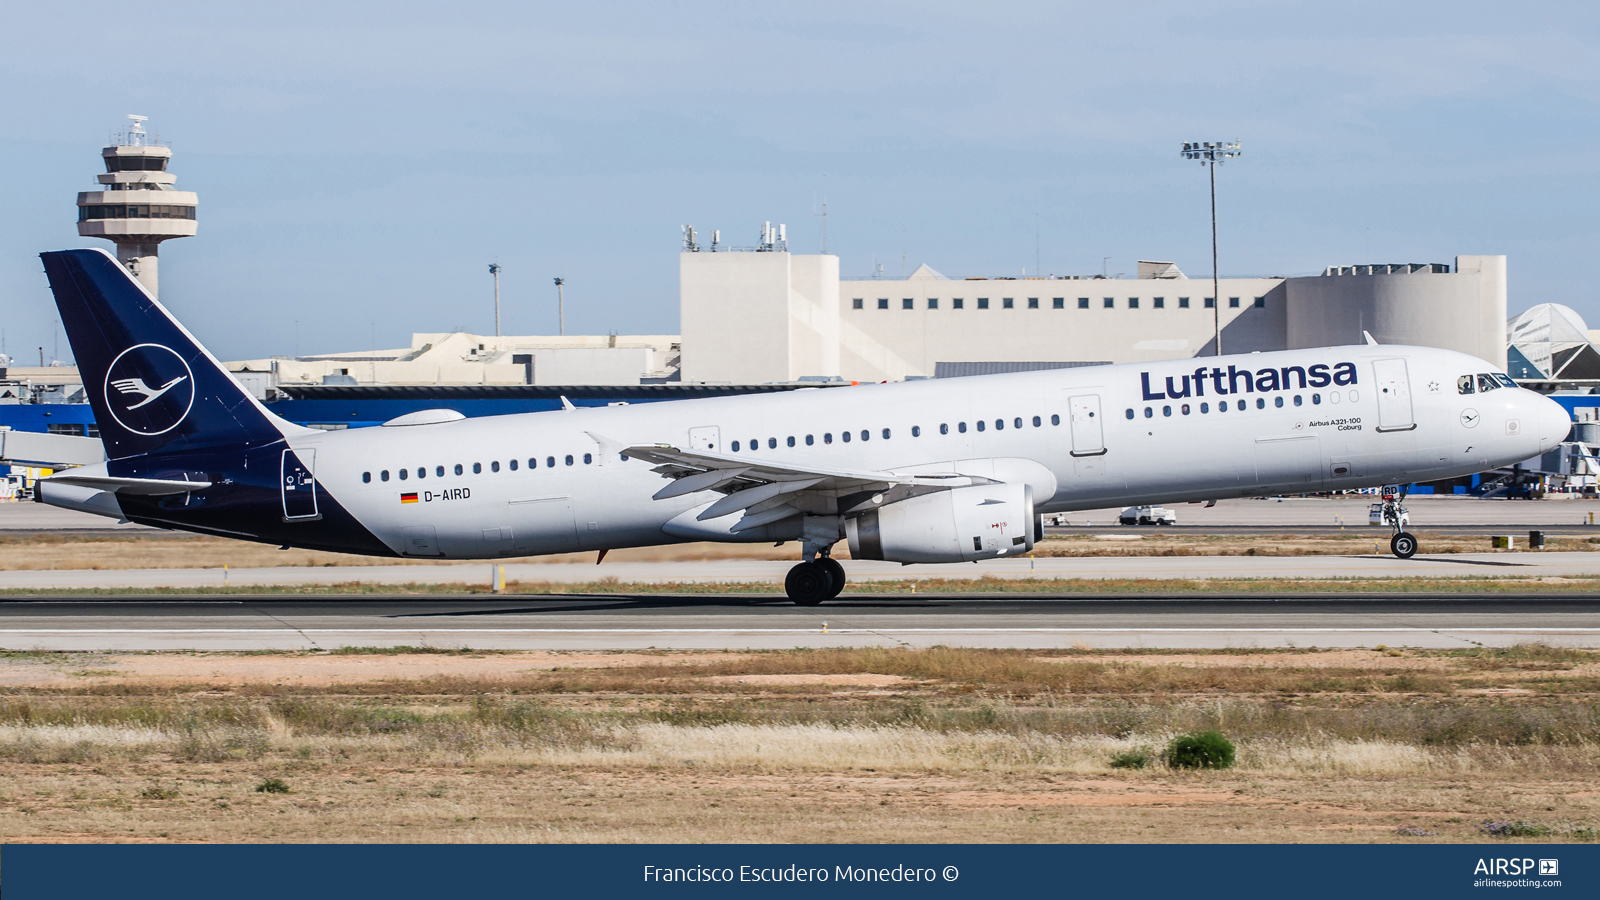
point(835, 572)
point(1403, 545)
point(808, 584)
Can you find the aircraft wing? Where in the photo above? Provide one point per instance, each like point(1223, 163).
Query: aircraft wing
point(769, 491)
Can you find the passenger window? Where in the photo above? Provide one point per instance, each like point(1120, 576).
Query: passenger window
point(422, 471)
point(1149, 413)
point(943, 428)
point(588, 459)
point(477, 468)
point(1166, 410)
point(1036, 422)
point(494, 466)
point(886, 434)
point(404, 474)
point(1205, 408)
point(981, 424)
point(1017, 422)
point(1278, 402)
point(916, 431)
point(736, 446)
point(1486, 383)
point(384, 475)
point(1464, 384)
point(961, 427)
point(569, 459)
point(1056, 420)
point(1185, 409)
point(1130, 412)
point(533, 462)
point(439, 471)
point(865, 434)
point(827, 437)
point(755, 443)
point(1316, 399)
point(1261, 403)
point(808, 440)
point(550, 462)
point(772, 443)
point(791, 440)
point(1222, 406)
point(999, 424)
point(1297, 400)
point(844, 436)
point(513, 465)
point(366, 477)
point(459, 470)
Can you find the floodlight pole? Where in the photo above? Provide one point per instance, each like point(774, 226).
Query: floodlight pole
point(494, 269)
point(1216, 278)
point(1213, 153)
point(561, 308)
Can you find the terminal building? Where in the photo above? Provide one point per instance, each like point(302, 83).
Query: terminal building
point(768, 315)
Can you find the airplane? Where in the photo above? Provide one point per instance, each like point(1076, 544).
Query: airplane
point(940, 471)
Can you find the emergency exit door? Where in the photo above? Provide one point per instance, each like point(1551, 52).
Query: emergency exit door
point(298, 484)
point(1394, 395)
point(1088, 435)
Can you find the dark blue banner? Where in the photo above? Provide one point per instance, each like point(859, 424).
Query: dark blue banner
point(1189, 872)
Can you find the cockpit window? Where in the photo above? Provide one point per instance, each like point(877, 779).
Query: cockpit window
point(1487, 383)
point(1464, 384)
point(1504, 379)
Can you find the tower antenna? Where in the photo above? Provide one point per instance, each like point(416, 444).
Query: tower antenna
point(561, 307)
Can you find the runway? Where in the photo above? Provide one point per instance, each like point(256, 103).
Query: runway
point(1552, 564)
point(587, 622)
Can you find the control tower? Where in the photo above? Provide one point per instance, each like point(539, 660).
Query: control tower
point(136, 206)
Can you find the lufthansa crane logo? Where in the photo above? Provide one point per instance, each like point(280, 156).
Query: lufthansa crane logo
point(149, 389)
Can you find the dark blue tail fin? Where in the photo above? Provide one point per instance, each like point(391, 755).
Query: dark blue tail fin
point(152, 386)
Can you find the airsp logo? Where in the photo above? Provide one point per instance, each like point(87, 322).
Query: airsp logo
point(149, 389)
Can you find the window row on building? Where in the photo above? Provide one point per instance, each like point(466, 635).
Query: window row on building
point(134, 211)
point(1242, 405)
point(1055, 302)
point(476, 468)
point(865, 434)
point(136, 163)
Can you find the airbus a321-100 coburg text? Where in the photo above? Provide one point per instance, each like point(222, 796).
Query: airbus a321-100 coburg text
point(944, 471)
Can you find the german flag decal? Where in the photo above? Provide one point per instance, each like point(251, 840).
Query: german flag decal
point(408, 498)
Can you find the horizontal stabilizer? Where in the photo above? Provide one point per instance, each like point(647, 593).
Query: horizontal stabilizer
point(145, 487)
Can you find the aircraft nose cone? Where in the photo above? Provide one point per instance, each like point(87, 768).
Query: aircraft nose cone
point(1552, 421)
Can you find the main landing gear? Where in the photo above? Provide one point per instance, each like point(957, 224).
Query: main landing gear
point(810, 583)
point(1404, 543)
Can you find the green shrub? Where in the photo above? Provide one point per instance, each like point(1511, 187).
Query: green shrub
point(1131, 759)
point(273, 786)
point(1200, 750)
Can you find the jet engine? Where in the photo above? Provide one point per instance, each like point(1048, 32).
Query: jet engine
point(960, 525)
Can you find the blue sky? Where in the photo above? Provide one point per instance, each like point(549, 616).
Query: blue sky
point(360, 164)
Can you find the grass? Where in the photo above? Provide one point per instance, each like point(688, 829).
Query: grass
point(969, 745)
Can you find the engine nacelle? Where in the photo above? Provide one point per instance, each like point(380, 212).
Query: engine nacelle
point(961, 525)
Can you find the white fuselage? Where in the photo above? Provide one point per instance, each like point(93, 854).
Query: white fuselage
point(1088, 437)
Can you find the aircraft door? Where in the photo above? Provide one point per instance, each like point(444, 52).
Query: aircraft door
point(543, 525)
point(707, 438)
point(1394, 395)
point(298, 484)
point(1088, 435)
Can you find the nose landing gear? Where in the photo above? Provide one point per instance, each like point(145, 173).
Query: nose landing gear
point(1404, 543)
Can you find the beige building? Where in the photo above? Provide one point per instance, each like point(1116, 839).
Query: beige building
point(769, 315)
